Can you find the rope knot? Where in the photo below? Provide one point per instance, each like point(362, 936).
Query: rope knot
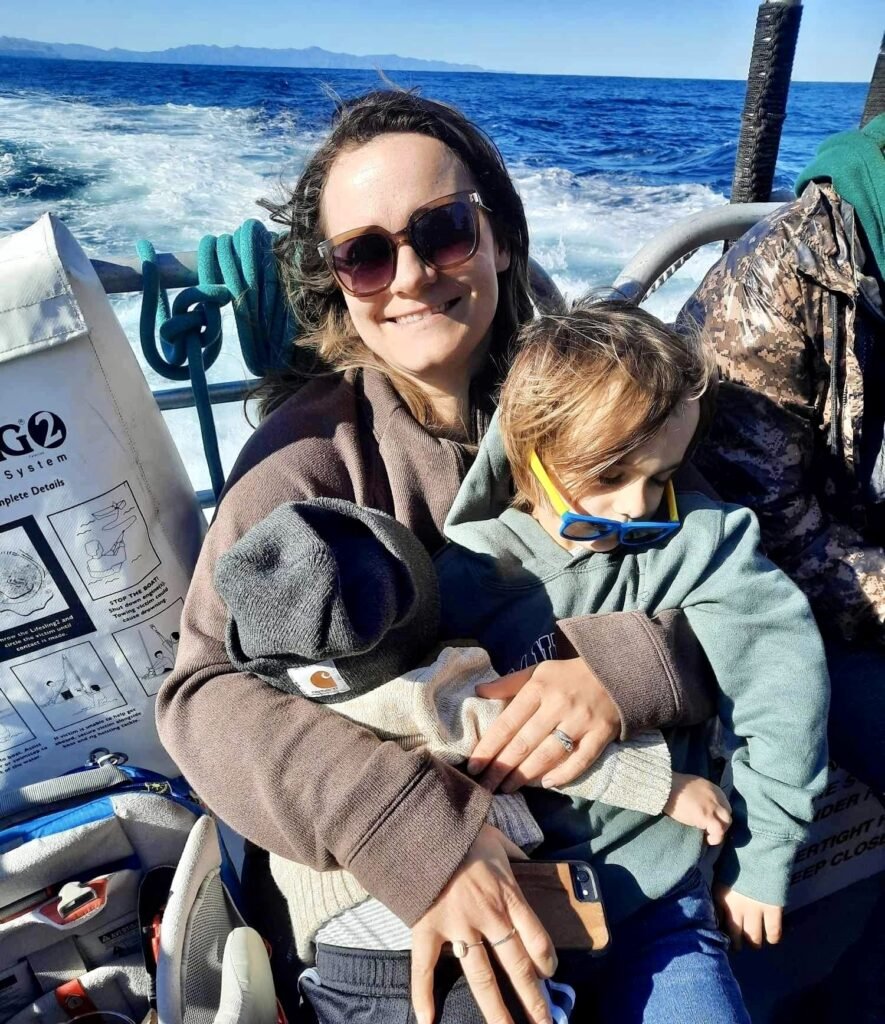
point(195, 319)
point(190, 334)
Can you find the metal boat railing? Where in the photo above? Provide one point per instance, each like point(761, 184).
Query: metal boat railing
point(660, 258)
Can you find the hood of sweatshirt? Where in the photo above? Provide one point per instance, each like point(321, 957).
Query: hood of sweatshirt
point(482, 521)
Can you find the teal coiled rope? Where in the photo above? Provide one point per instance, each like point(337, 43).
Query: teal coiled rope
point(240, 269)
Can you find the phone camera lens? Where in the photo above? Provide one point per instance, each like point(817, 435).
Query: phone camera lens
point(582, 875)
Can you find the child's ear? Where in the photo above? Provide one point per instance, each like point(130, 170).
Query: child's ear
point(502, 258)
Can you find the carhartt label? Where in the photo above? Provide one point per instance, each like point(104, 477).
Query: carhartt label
point(320, 680)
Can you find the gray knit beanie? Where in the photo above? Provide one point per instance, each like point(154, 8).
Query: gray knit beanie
point(328, 599)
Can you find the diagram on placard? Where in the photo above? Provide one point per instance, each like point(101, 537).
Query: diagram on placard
point(27, 589)
point(150, 646)
point(13, 730)
point(69, 686)
point(107, 540)
point(39, 607)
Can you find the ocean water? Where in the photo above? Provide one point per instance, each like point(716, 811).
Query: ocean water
point(169, 153)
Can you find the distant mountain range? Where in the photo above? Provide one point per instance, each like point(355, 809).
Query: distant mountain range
point(250, 56)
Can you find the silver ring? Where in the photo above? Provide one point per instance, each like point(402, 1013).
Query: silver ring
point(461, 948)
point(506, 938)
point(568, 744)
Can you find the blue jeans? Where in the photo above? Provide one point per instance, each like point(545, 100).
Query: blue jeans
point(667, 963)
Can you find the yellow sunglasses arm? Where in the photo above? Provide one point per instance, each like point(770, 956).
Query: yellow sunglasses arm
point(672, 510)
point(559, 506)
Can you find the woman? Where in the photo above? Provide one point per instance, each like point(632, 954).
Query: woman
point(415, 315)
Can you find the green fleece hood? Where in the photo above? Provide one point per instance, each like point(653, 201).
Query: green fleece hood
point(486, 490)
point(855, 163)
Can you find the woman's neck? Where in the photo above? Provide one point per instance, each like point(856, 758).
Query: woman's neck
point(451, 407)
point(449, 394)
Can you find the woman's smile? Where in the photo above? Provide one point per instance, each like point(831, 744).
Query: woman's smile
point(425, 314)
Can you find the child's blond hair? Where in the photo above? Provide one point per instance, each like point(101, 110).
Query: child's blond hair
point(589, 386)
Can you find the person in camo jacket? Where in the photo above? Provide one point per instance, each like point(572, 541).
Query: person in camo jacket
point(795, 311)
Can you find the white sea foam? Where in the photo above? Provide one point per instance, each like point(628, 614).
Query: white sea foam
point(585, 229)
point(169, 172)
point(175, 172)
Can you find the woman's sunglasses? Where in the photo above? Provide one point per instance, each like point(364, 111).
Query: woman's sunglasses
point(578, 526)
point(444, 233)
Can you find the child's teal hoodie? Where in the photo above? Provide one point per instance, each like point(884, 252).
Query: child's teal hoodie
point(505, 582)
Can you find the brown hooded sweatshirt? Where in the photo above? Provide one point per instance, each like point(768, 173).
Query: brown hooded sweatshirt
point(305, 783)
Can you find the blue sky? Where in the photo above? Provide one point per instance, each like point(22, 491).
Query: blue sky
point(670, 38)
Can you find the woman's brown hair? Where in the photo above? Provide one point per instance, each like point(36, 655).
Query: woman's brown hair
point(319, 311)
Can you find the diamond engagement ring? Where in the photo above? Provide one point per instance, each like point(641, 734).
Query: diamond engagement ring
point(568, 744)
point(461, 948)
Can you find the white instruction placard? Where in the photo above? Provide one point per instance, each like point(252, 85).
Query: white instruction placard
point(99, 528)
point(847, 841)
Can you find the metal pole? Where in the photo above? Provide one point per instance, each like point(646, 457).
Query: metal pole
point(875, 103)
point(765, 105)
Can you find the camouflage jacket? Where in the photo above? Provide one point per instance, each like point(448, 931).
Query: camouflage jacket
point(782, 309)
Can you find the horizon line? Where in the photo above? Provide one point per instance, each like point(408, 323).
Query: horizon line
point(428, 60)
point(481, 71)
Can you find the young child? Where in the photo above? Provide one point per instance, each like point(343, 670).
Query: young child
point(341, 605)
point(600, 409)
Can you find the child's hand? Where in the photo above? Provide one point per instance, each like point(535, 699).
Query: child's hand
point(747, 920)
point(697, 802)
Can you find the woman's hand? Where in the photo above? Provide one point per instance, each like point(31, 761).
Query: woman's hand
point(483, 902)
point(748, 920)
point(520, 746)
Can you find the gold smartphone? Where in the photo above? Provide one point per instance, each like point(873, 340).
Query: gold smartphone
point(565, 896)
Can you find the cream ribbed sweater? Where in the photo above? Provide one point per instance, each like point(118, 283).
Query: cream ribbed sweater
point(435, 707)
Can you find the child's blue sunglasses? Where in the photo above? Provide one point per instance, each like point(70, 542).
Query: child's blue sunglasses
point(578, 526)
